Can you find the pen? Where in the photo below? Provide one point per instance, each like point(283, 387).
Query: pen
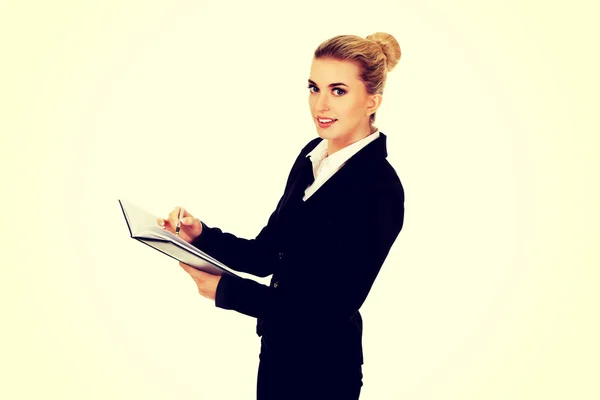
point(179, 221)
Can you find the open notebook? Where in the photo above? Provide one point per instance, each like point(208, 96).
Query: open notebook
point(143, 227)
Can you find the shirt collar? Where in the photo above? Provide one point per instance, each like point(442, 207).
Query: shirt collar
point(319, 153)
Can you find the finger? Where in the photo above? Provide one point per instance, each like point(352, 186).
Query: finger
point(165, 223)
point(195, 273)
point(174, 216)
point(188, 220)
point(186, 214)
point(186, 267)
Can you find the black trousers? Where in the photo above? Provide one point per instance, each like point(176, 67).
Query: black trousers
point(291, 376)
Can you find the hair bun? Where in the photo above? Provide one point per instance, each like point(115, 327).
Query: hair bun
point(390, 48)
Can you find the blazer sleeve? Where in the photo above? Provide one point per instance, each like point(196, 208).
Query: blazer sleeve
point(252, 256)
point(363, 241)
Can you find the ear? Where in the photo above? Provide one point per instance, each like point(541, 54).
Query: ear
point(373, 104)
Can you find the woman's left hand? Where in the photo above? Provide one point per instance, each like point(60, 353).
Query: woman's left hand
point(207, 283)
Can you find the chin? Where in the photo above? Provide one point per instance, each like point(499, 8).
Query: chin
point(326, 133)
point(322, 134)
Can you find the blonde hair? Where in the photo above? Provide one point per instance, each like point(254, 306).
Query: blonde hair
point(375, 56)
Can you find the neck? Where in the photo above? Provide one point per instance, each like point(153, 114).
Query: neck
point(334, 145)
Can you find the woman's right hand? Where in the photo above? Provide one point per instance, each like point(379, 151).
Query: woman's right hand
point(190, 227)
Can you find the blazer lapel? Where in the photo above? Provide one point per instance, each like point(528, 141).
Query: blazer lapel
point(355, 171)
point(304, 177)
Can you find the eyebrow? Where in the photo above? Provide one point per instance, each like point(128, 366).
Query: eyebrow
point(331, 84)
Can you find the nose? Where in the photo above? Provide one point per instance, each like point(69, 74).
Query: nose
point(322, 103)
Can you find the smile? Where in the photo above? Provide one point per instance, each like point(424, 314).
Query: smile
point(325, 122)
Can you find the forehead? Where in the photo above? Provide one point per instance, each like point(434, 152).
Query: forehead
point(326, 71)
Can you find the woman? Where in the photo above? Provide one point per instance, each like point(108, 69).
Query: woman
point(341, 211)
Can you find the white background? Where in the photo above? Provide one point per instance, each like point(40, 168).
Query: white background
point(490, 291)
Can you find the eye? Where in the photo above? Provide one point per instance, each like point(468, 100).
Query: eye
point(340, 92)
point(313, 88)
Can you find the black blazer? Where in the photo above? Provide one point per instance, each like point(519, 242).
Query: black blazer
point(324, 255)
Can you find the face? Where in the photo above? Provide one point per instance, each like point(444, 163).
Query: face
point(339, 103)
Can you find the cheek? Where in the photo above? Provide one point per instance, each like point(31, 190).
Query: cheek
point(311, 102)
point(351, 110)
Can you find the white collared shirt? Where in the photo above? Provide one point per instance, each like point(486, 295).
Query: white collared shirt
point(324, 166)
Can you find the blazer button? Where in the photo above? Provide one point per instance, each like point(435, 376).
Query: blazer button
point(275, 284)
